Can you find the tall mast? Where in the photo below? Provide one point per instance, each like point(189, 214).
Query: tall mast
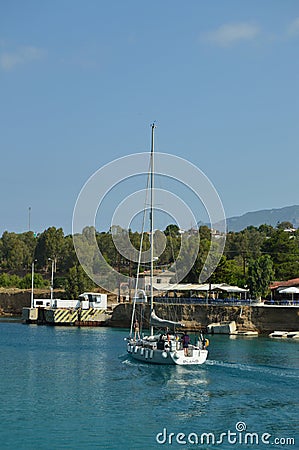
point(152, 221)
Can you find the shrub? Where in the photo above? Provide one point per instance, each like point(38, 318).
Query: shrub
point(39, 282)
point(7, 280)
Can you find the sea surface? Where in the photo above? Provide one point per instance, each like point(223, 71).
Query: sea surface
point(76, 388)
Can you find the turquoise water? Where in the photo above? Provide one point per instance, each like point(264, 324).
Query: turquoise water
point(70, 388)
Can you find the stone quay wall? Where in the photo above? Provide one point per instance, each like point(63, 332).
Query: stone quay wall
point(263, 319)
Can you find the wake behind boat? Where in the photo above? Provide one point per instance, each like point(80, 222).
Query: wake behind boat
point(164, 345)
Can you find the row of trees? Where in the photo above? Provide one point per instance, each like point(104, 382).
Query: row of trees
point(7, 280)
point(252, 257)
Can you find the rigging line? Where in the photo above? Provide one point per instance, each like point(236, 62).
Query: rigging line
point(173, 257)
point(174, 311)
point(140, 252)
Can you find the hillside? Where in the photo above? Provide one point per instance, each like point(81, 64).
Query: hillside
point(267, 216)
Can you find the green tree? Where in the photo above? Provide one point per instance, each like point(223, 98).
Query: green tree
point(229, 271)
point(260, 274)
point(107, 247)
point(15, 252)
point(38, 281)
point(284, 225)
point(69, 257)
point(193, 247)
point(246, 243)
point(7, 280)
point(171, 251)
point(204, 232)
point(30, 241)
point(266, 230)
point(172, 230)
point(77, 282)
point(50, 244)
point(284, 251)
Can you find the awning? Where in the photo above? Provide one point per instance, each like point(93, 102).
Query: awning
point(289, 290)
point(200, 287)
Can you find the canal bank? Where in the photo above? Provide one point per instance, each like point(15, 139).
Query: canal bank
point(13, 300)
point(263, 319)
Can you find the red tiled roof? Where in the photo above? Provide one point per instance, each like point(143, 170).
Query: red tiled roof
point(287, 283)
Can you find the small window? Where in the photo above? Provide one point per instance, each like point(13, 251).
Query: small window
point(159, 280)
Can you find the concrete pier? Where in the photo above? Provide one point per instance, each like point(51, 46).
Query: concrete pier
point(63, 316)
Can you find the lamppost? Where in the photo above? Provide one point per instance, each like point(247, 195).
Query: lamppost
point(32, 282)
point(52, 279)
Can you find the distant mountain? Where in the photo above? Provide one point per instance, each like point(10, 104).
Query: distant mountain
point(268, 216)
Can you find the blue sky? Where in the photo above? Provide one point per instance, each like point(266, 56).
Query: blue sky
point(82, 81)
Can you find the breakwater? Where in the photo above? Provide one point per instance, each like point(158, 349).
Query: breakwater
point(264, 319)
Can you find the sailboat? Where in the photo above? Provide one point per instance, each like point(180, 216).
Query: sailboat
point(163, 345)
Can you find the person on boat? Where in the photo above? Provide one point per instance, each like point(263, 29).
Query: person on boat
point(168, 338)
point(204, 342)
point(186, 341)
point(136, 330)
point(168, 335)
point(161, 343)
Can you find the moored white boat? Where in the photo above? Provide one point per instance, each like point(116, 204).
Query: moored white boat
point(248, 333)
point(293, 335)
point(278, 334)
point(228, 327)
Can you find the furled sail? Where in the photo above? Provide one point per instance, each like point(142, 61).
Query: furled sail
point(157, 321)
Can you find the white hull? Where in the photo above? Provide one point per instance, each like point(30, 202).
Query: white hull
point(152, 355)
point(245, 333)
point(278, 334)
point(293, 335)
point(285, 334)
